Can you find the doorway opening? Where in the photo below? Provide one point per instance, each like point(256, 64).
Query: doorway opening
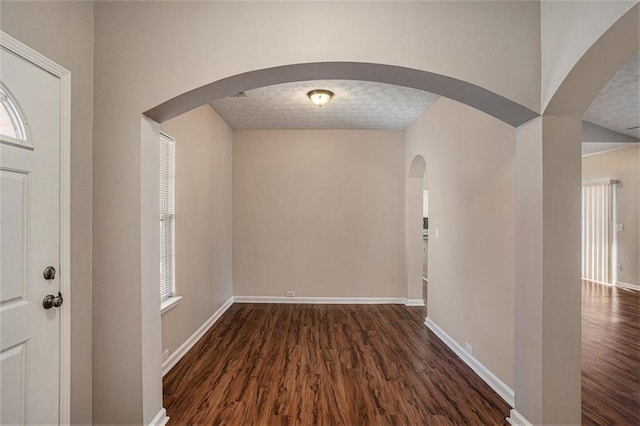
point(610, 234)
point(425, 236)
point(417, 228)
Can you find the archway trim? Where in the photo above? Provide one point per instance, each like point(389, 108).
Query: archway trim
point(468, 93)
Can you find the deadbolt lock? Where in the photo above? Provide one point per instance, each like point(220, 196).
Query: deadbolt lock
point(49, 273)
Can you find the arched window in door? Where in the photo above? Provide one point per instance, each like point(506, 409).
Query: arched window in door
point(13, 127)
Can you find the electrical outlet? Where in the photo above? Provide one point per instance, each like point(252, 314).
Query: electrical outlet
point(437, 233)
point(468, 349)
point(291, 293)
point(165, 355)
point(620, 227)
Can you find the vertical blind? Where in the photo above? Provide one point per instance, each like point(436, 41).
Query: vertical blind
point(167, 216)
point(598, 245)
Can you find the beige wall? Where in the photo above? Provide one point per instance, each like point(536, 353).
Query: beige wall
point(203, 221)
point(64, 33)
point(547, 294)
point(568, 29)
point(472, 205)
point(623, 165)
point(318, 212)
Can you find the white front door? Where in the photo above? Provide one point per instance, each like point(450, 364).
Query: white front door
point(30, 234)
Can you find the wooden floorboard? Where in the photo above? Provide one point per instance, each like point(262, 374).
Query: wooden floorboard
point(610, 355)
point(379, 364)
point(326, 364)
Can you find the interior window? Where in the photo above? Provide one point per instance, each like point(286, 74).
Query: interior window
point(167, 217)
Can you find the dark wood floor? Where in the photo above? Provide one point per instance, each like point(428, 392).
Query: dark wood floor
point(610, 355)
point(326, 364)
point(378, 364)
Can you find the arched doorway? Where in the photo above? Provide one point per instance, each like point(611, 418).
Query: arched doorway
point(415, 250)
point(467, 93)
point(548, 229)
point(106, 225)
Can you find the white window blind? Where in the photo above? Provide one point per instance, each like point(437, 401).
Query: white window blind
point(167, 216)
point(598, 238)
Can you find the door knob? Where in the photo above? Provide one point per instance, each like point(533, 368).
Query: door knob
point(49, 273)
point(51, 301)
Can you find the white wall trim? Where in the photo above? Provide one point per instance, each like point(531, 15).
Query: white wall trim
point(485, 374)
point(628, 286)
point(414, 302)
point(173, 359)
point(322, 300)
point(24, 51)
point(516, 418)
point(631, 145)
point(169, 303)
point(160, 419)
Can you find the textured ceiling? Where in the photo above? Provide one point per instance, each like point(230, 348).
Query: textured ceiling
point(617, 107)
point(372, 105)
point(355, 105)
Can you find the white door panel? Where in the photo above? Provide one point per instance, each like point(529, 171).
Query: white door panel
point(14, 371)
point(14, 273)
point(30, 234)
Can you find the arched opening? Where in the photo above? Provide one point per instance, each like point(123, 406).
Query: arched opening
point(383, 73)
point(464, 92)
point(467, 93)
point(551, 144)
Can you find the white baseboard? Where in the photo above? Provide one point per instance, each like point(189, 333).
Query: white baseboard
point(628, 286)
point(517, 419)
point(595, 281)
point(173, 359)
point(322, 300)
point(485, 374)
point(160, 419)
point(414, 302)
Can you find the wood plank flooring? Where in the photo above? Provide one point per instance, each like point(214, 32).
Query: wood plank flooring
point(610, 355)
point(326, 364)
point(378, 364)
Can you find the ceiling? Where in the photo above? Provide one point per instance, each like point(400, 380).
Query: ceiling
point(617, 107)
point(380, 106)
point(355, 105)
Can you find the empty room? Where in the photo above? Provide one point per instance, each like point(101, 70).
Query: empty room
point(343, 212)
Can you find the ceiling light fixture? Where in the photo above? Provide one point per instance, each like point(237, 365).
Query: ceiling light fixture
point(320, 97)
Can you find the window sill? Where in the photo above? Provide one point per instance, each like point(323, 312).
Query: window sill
point(169, 303)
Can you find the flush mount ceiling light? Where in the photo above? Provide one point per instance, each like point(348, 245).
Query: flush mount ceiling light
point(320, 97)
